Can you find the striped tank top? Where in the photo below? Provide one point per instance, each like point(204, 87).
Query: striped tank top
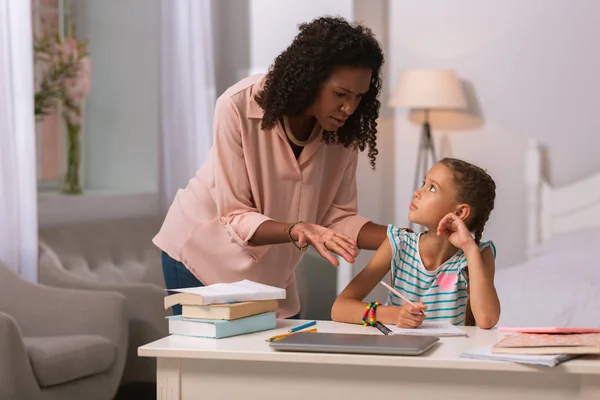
point(443, 291)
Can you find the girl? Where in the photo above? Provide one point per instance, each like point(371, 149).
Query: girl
point(430, 268)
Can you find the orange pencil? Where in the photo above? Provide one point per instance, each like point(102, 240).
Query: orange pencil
point(397, 293)
point(281, 336)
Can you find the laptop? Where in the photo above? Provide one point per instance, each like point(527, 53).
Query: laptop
point(323, 342)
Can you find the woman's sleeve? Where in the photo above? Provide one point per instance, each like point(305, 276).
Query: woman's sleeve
point(237, 213)
point(342, 215)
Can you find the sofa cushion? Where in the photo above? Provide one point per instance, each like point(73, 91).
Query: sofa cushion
point(117, 251)
point(60, 359)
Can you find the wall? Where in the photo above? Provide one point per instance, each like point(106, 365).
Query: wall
point(249, 34)
point(533, 67)
point(122, 120)
point(275, 23)
point(231, 30)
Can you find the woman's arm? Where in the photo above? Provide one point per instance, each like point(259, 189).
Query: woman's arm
point(371, 236)
point(272, 232)
point(482, 293)
point(324, 240)
point(349, 307)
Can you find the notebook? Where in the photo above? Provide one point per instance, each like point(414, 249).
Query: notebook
point(325, 342)
point(543, 343)
point(217, 329)
point(429, 328)
point(220, 293)
point(485, 353)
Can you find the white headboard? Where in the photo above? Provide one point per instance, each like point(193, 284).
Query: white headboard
point(554, 210)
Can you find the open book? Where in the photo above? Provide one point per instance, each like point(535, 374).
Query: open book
point(221, 293)
point(429, 328)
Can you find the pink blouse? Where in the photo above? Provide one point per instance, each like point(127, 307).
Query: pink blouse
point(252, 176)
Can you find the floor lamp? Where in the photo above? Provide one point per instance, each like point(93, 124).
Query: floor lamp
point(427, 90)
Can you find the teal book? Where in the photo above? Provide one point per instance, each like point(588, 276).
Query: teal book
point(211, 328)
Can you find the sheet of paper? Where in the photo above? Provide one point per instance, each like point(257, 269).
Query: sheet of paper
point(430, 328)
point(244, 286)
point(485, 353)
point(235, 292)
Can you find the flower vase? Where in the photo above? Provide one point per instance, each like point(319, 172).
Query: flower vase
point(72, 182)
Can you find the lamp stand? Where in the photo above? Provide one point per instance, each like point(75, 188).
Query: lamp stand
point(426, 149)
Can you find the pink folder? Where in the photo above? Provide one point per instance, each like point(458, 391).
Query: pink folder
point(547, 329)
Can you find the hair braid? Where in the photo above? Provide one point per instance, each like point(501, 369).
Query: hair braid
point(476, 188)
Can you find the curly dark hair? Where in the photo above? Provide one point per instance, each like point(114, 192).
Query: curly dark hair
point(475, 188)
point(293, 80)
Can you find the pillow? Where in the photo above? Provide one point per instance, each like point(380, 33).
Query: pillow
point(568, 242)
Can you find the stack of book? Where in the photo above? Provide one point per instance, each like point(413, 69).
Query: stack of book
point(547, 346)
point(224, 309)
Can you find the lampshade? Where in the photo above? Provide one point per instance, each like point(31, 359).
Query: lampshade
point(428, 89)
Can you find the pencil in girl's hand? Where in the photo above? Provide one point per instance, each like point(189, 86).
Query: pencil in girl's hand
point(397, 293)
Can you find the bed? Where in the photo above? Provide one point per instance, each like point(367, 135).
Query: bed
point(558, 283)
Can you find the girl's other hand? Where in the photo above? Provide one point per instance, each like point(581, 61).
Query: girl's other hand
point(458, 233)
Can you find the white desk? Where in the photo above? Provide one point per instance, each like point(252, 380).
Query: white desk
point(245, 367)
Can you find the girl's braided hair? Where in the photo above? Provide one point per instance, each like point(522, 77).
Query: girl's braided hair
point(476, 188)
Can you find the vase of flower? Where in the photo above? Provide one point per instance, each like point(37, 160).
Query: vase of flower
point(72, 180)
point(65, 80)
point(75, 90)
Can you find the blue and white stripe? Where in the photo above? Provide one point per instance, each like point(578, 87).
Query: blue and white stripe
point(410, 277)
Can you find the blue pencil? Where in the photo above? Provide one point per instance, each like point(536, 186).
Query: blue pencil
point(298, 328)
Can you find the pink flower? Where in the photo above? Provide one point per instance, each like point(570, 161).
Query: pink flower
point(54, 55)
point(69, 48)
point(76, 89)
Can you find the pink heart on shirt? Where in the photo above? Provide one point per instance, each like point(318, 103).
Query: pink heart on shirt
point(446, 281)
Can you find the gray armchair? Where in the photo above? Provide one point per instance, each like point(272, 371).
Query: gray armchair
point(114, 255)
point(59, 343)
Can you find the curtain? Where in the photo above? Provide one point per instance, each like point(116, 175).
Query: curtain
point(188, 92)
point(18, 185)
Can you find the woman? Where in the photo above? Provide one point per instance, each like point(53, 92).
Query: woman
point(281, 174)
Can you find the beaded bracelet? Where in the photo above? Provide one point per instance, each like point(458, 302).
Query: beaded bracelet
point(371, 309)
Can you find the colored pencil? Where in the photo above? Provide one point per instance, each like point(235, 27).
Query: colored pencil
point(298, 328)
point(397, 293)
point(283, 335)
